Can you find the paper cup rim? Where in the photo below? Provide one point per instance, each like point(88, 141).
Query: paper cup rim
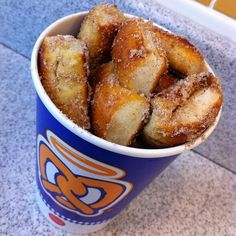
point(89, 137)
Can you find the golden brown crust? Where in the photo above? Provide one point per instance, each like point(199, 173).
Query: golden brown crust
point(138, 59)
point(64, 71)
point(184, 110)
point(103, 95)
point(109, 98)
point(182, 55)
point(98, 30)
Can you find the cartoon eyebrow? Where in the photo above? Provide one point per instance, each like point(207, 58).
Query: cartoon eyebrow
point(83, 162)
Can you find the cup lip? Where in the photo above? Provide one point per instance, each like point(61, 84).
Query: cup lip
point(86, 135)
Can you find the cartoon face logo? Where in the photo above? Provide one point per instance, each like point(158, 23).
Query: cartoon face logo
point(77, 182)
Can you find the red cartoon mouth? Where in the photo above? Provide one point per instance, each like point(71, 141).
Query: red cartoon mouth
point(56, 220)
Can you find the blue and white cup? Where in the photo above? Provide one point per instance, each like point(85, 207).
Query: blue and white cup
point(83, 181)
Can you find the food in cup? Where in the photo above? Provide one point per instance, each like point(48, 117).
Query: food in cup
point(98, 31)
point(116, 109)
point(138, 58)
point(182, 55)
point(183, 111)
point(142, 56)
point(63, 67)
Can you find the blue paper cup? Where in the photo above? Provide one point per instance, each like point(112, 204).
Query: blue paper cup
point(84, 181)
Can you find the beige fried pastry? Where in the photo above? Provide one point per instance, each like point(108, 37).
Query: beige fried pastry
point(182, 55)
point(138, 59)
point(184, 110)
point(118, 114)
point(98, 30)
point(63, 70)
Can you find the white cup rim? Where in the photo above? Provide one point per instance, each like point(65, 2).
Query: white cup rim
point(91, 138)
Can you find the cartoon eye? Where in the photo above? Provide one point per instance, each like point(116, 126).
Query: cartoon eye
point(51, 171)
point(92, 196)
point(63, 197)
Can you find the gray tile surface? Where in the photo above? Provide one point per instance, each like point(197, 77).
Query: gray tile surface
point(17, 141)
point(24, 20)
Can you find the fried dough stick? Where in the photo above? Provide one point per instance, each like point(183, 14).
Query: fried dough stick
point(118, 114)
point(64, 72)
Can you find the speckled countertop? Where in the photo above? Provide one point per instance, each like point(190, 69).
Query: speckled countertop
point(195, 195)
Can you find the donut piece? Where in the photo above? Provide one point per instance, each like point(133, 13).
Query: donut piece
point(63, 71)
point(118, 114)
point(182, 55)
point(138, 59)
point(183, 111)
point(98, 31)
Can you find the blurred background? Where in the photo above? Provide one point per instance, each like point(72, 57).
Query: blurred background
point(211, 26)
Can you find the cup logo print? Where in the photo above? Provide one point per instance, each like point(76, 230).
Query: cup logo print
point(77, 182)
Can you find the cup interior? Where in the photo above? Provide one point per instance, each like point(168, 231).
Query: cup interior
point(70, 25)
